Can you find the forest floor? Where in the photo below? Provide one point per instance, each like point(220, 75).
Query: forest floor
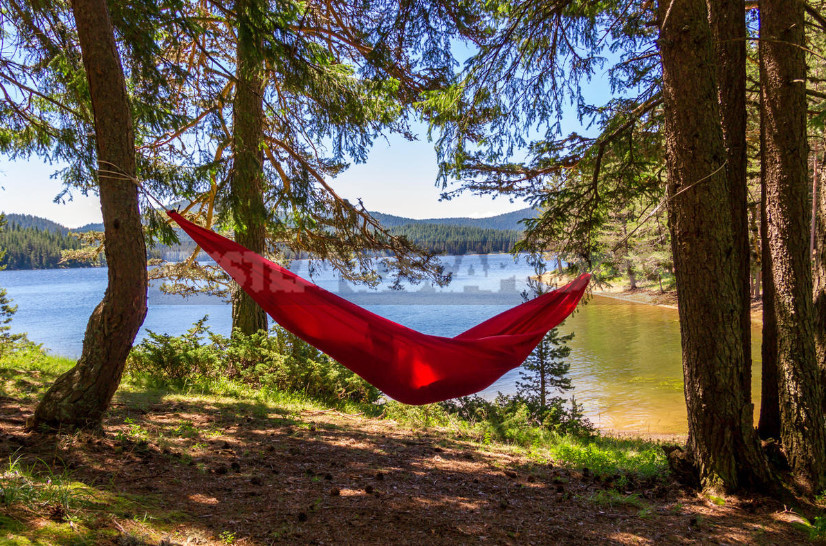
point(206, 469)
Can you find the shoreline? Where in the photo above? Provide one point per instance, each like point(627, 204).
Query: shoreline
point(645, 295)
point(667, 300)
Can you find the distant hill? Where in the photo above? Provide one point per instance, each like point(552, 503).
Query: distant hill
point(507, 221)
point(89, 227)
point(458, 240)
point(25, 221)
point(33, 242)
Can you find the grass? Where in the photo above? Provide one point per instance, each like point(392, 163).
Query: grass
point(613, 498)
point(69, 511)
point(66, 510)
point(28, 372)
point(815, 529)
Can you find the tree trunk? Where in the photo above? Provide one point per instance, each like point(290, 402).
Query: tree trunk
point(728, 26)
point(247, 177)
point(544, 371)
point(820, 281)
point(632, 277)
point(79, 398)
point(769, 423)
point(722, 441)
point(783, 78)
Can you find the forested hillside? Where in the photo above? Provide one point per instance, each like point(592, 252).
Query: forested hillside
point(456, 240)
point(33, 242)
point(35, 247)
point(29, 221)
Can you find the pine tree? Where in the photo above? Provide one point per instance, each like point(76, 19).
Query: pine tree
point(545, 373)
point(7, 310)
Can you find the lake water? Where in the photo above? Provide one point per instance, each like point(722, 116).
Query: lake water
point(625, 357)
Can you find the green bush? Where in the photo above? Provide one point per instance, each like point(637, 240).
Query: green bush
point(275, 359)
point(517, 418)
point(176, 357)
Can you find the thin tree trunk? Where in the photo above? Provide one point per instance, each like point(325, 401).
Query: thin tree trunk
point(632, 277)
point(728, 27)
point(769, 423)
point(543, 374)
point(247, 178)
point(802, 430)
point(79, 398)
point(722, 441)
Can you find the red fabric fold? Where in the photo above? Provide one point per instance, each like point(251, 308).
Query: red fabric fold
point(407, 365)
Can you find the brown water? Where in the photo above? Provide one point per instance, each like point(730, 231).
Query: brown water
point(626, 366)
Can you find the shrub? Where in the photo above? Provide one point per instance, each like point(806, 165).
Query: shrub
point(275, 359)
point(175, 357)
point(512, 416)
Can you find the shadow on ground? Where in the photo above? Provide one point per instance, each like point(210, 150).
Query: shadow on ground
point(202, 471)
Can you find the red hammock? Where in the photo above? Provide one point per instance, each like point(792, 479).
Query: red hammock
point(407, 365)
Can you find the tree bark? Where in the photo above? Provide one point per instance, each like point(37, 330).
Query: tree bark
point(802, 430)
point(820, 281)
point(247, 177)
point(728, 27)
point(79, 398)
point(722, 440)
point(769, 423)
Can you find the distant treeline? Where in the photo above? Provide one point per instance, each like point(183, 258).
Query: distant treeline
point(437, 238)
point(32, 242)
point(458, 240)
point(35, 248)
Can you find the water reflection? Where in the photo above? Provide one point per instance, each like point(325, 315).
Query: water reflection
point(626, 366)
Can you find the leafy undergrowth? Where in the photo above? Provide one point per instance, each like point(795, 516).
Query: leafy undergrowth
point(218, 463)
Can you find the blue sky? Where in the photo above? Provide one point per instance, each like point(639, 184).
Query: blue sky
point(398, 178)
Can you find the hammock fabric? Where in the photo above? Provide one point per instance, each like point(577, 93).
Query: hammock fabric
point(407, 365)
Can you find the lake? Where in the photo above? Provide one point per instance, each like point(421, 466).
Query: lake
point(625, 357)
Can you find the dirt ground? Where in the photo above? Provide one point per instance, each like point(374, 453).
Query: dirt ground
point(230, 472)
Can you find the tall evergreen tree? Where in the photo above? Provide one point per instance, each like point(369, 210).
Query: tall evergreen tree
point(246, 178)
point(728, 26)
point(545, 371)
point(80, 396)
point(721, 435)
point(326, 85)
point(788, 215)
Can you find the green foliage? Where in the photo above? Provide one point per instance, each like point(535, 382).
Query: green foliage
point(611, 456)
point(30, 485)
point(611, 497)
point(457, 240)
point(35, 248)
point(7, 310)
point(544, 373)
point(816, 529)
point(488, 423)
point(277, 360)
point(515, 419)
